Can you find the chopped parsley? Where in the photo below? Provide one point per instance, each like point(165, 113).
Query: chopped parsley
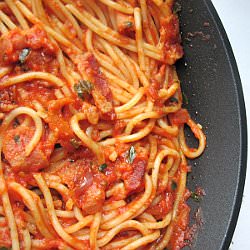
point(185, 98)
point(24, 55)
point(173, 99)
point(195, 196)
point(131, 154)
point(173, 185)
point(82, 88)
point(17, 138)
point(103, 167)
point(76, 144)
point(58, 145)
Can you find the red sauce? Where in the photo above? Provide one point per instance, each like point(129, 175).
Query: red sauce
point(59, 123)
point(8, 99)
point(14, 143)
point(5, 239)
point(170, 34)
point(35, 39)
point(178, 239)
point(101, 93)
point(125, 24)
point(163, 207)
point(27, 92)
point(153, 89)
point(180, 117)
point(118, 127)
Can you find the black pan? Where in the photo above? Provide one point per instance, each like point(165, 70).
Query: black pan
point(211, 81)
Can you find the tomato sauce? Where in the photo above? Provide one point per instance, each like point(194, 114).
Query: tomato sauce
point(14, 144)
point(35, 39)
point(180, 117)
point(170, 33)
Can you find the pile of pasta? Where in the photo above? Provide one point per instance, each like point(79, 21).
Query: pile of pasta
point(93, 150)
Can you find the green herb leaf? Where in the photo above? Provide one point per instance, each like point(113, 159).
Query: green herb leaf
point(24, 55)
point(76, 144)
point(177, 8)
point(195, 196)
point(173, 185)
point(17, 138)
point(131, 154)
point(128, 24)
point(173, 99)
point(82, 88)
point(103, 167)
point(58, 145)
point(184, 97)
point(5, 248)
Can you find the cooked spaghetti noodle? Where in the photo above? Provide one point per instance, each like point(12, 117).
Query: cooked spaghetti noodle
point(93, 150)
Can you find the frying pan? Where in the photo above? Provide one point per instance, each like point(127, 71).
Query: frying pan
point(211, 82)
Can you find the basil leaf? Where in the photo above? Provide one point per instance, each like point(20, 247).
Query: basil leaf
point(103, 167)
point(24, 55)
point(82, 88)
point(173, 99)
point(131, 154)
point(185, 98)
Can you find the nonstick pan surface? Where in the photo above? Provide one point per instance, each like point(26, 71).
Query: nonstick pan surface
point(211, 82)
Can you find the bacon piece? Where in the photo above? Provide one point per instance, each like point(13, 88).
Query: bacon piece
point(14, 143)
point(87, 185)
point(134, 180)
point(170, 34)
point(101, 93)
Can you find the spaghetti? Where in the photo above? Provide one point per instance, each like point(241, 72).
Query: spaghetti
point(93, 150)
